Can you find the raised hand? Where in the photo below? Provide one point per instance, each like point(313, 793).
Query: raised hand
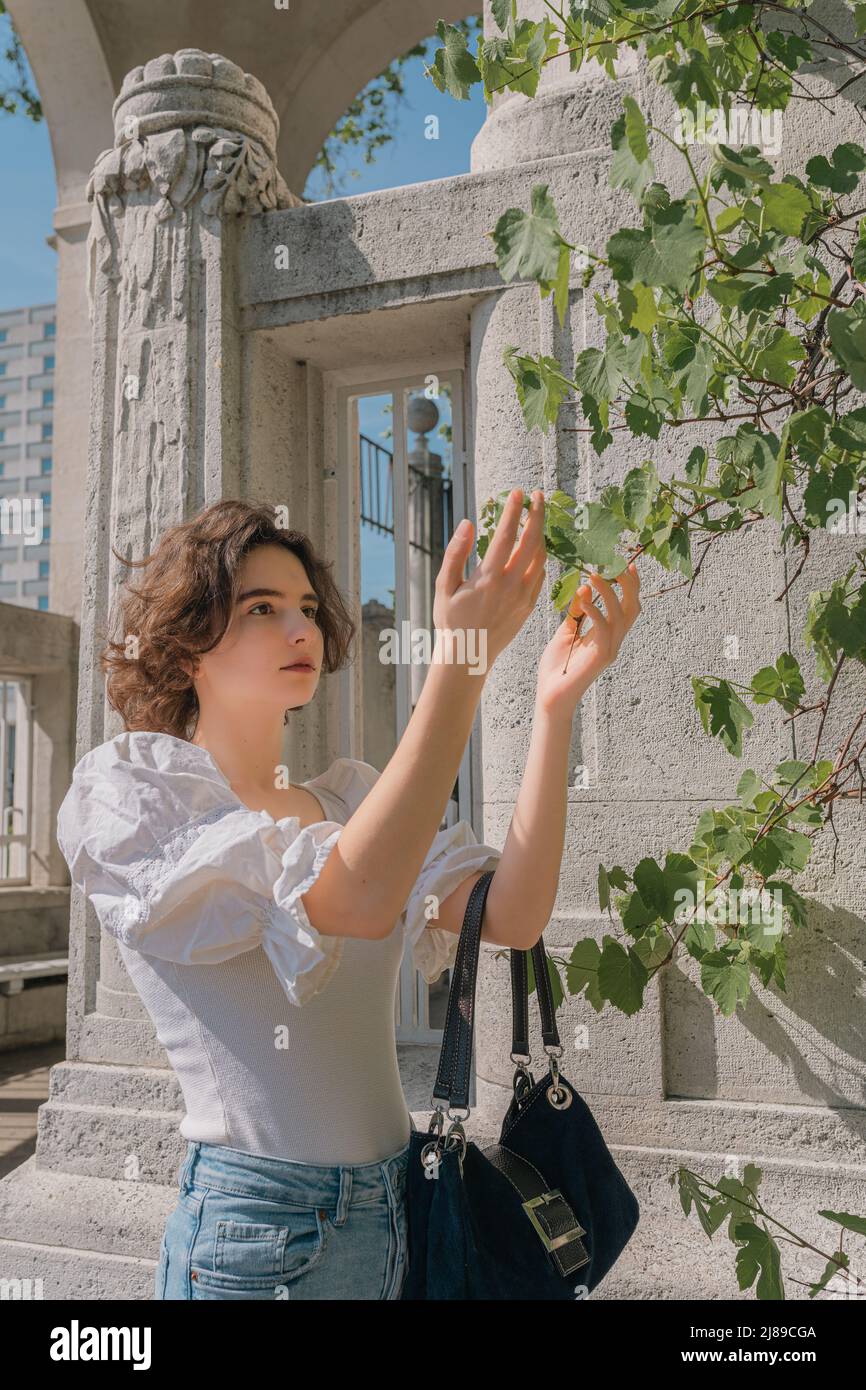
point(568, 667)
point(503, 589)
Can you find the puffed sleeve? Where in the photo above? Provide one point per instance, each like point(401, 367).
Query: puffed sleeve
point(177, 867)
point(454, 854)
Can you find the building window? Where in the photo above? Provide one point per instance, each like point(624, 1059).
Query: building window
point(2, 402)
point(47, 431)
point(43, 568)
point(2, 368)
point(400, 469)
point(2, 335)
point(46, 498)
point(16, 746)
point(47, 465)
point(2, 436)
point(46, 533)
point(49, 330)
point(48, 397)
point(43, 600)
point(48, 363)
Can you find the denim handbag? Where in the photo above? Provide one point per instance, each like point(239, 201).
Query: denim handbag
point(544, 1213)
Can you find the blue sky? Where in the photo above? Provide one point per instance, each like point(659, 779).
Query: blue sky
point(410, 157)
point(27, 264)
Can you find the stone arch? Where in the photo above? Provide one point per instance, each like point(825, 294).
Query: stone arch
point(72, 75)
point(383, 31)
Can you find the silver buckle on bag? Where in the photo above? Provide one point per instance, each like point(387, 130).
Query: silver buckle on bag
point(551, 1243)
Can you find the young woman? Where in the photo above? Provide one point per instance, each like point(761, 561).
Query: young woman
point(257, 917)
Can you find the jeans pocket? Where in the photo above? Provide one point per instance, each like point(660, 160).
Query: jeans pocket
point(246, 1258)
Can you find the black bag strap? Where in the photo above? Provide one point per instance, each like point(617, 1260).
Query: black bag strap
point(452, 1078)
point(520, 999)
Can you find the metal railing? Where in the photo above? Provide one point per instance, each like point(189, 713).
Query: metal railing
point(377, 499)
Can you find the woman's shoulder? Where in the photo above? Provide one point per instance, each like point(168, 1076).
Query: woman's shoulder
point(151, 755)
point(139, 788)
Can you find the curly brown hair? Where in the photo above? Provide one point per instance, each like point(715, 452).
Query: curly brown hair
point(184, 604)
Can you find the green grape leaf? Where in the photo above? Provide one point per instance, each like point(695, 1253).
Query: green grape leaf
point(666, 254)
point(767, 293)
point(635, 129)
point(792, 901)
point(841, 1260)
point(847, 330)
point(622, 976)
point(781, 847)
point(741, 169)
point(453, 70)
point(782, 682)
point(541, 387)
point(607, 879)
point(748, 786)
point(725, 979)
point(841, 173)
point(504, 11)
point(631, 166)
point(846, 1219)
point(785, 207)
point(528, 244)
point(639, 492)
point(582, 971)
point(758, 1258)
point(722, 712)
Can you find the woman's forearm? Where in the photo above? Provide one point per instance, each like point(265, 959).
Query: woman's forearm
point(368, 876)
point(523, 892)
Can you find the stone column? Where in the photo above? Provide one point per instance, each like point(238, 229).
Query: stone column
point(762, 1086)
point(194, 151)
point(569, 116)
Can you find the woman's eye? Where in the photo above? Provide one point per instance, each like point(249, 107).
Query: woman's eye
point(264, 604)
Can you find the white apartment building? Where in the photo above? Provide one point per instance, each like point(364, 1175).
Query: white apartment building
point(27, 344)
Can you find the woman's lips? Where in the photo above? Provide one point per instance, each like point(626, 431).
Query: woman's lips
point(305, 666)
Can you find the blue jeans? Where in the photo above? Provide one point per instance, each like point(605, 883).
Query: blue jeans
point(246, 1226)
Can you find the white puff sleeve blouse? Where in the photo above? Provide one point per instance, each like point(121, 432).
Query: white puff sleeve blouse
point(177, 867)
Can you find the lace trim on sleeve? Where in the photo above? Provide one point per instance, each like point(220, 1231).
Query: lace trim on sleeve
point(145, 876)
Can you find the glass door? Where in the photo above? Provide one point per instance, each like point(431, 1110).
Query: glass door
point(406, 485)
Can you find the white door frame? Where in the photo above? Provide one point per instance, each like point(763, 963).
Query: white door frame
point(411, 1003)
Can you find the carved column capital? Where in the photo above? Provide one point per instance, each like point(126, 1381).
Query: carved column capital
point(190, 128)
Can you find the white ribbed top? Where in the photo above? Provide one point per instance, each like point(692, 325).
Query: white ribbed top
point(282, 1039)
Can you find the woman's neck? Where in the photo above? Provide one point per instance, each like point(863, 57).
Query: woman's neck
point(249, 758)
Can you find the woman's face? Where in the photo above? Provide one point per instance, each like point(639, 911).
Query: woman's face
point(267, 632)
